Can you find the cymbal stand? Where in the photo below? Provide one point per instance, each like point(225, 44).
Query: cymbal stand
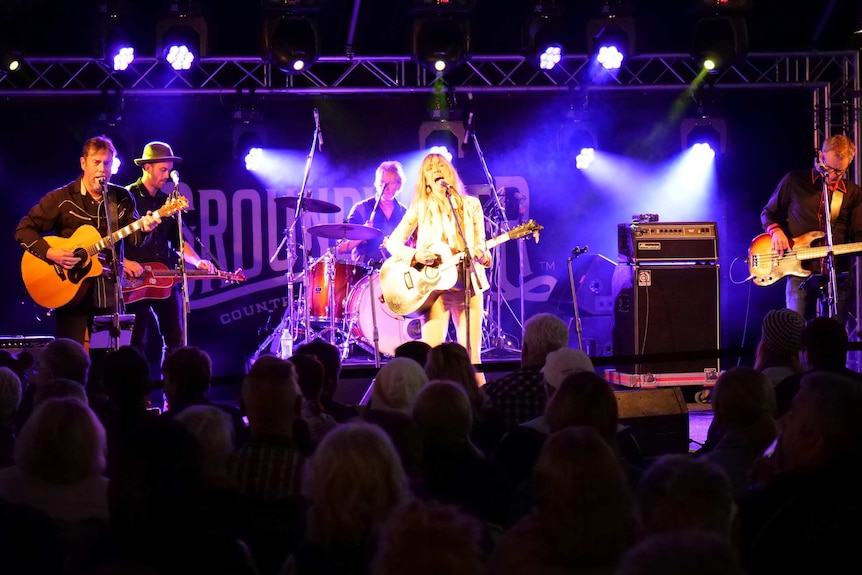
point(498, 222)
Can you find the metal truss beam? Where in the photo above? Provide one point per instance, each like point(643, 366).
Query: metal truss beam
point(399, 75)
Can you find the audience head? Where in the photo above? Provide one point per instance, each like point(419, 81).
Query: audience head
point(396, 384)
point(270, 396)
point(824, 343)
point(584, 398)
point(450, 361)
point(543, 333)
point(582, 498)
point(429, 538)
point(188, 372)
point(63, 358)
point(62, 442)
point(214, 431)
point(353, 482)
point(781, 338)
point(10, 394)
point(19, 363)
point(563, 362)
point(743, 398)
point(823, 424)
point(309, 375)
point(680, 493)
point(415, 349)
point(59, 387)
point(329, 355)
point(126, 378)
point(681, 553)
point(442, 413)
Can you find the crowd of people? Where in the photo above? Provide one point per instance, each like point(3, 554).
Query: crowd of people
point(532, 472)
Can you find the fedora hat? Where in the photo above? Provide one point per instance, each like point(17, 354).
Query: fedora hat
point(157, 152)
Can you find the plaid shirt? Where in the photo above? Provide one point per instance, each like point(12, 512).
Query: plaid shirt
point(519, 396)
point(267, 467)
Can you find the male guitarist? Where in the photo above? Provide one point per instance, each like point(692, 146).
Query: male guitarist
point(62, 212)
point(156, 164)
point(436, 227)
point(796, 207)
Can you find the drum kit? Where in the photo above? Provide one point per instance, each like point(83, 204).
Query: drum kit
point(343, 298)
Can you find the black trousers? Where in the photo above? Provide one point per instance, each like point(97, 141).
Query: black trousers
point(168, 313)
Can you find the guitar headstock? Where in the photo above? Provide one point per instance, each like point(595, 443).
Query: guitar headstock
point(175, 203)
point(525, 229)
point(238, 276)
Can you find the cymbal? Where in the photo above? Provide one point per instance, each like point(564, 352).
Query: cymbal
point(345, 231)
point(311, 205)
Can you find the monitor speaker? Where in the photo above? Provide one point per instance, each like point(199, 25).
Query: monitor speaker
point(656, 418)
point(663, 308)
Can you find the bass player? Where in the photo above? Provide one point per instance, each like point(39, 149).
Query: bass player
point(796, 208)
point(157, 163)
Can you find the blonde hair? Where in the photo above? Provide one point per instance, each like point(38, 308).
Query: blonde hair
point(353, 482)
point(62, 442)
point(841, 145)
point(214, 431)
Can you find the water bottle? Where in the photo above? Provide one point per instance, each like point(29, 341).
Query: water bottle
point(286, 349)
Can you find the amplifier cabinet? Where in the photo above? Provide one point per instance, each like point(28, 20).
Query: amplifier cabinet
point(663, 308)
point(668, 242)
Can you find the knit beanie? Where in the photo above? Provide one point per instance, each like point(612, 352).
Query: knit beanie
point(782, 331)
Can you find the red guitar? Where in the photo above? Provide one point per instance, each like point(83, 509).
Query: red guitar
point(158, 279)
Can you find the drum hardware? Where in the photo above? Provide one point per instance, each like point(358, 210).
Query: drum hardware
point(310, 205)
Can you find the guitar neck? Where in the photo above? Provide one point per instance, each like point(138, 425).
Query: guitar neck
point(115, 237)
point(822, 251)
point(196, 274)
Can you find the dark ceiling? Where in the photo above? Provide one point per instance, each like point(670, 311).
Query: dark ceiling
point(67, 28)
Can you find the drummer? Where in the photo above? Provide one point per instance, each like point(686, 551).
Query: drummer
point(382, 211)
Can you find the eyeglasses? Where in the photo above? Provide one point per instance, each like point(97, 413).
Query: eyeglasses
point(833, 171)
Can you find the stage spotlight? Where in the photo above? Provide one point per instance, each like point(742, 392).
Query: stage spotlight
point(292, 42)
point(705, 133)
point(248, 131)
point(181, 40)
point(577, 139)
point(718, 41)
point(441, 42)
point(442, 133)
point(545, 34)
point(10, 61)
point(611, 39)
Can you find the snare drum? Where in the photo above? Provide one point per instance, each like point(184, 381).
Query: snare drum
point(345, 276)
point(392, 329)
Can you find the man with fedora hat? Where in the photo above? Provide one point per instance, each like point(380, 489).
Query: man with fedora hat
point(156, 164)
point(62, 212)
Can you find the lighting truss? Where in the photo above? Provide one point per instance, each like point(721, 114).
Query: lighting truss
point(400, 74)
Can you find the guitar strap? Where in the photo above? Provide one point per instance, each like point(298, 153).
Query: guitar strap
point(835, 205)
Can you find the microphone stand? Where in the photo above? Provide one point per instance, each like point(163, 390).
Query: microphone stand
point(119, 306)
point(184, 278)
point(575, 253)
point(832, 283)
point(469, 272)
point(499, 220)
point(316, 142)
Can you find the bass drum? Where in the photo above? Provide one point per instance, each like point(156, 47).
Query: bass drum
point(392, 329)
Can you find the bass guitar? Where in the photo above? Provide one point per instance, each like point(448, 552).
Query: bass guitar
point(411, 290)
point(51, 285)
point(158, 279)
point(766, 266)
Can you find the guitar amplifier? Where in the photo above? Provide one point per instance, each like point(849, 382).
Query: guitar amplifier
point(668, 242)
point(25, 349)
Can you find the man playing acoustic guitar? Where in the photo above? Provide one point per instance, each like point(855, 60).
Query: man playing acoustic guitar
point(57, 270)
point(796, 208)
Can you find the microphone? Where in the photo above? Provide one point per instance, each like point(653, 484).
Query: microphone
point(319, 132)
point(820, 167)
point(175, 176)
point(578, 250)
point(101, 182)
point(444, 184)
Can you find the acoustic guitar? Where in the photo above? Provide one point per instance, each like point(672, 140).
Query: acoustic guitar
point(158, 279)
point(766, 266)
point(51, 285)
point(411, 290)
